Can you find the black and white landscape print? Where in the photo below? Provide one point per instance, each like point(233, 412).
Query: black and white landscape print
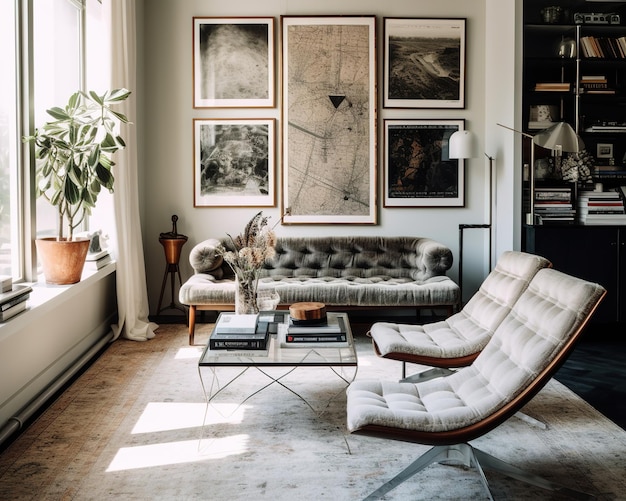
point(424, 63)
point(233, 62)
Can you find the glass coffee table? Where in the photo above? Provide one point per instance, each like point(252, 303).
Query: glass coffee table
point(339, 357)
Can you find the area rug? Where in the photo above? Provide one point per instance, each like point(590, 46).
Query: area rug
point(135, 427)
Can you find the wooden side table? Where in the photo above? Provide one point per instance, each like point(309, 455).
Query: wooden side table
point(172, 243)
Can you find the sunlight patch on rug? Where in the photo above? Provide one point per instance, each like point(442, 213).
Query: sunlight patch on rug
point(188, 352)
point(165, 416)
point(187, 451)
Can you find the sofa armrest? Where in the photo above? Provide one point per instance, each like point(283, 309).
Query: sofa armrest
point(204, 258)
point(436, 258)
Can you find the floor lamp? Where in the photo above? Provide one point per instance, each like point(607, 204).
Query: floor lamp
point(462, 145)
point(559, 138)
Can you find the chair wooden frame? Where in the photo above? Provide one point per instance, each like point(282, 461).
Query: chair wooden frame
point(452, 447)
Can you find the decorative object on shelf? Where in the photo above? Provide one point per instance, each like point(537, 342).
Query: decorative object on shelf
point(172, 243)
point(576, 168)
point(74, 163)
point(552, 14)
point(462, 145)
point(567, 48)
point(245, 255)
point(559, 138)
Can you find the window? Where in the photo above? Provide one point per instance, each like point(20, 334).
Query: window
point(57, 74)
point(49, 66)
point(9, 225)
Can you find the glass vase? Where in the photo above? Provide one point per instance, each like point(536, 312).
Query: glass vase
point(245, 294)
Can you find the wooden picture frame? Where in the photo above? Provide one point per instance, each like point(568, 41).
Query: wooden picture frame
point(424, 63)
point(418, 170)
point(329, 119)
point(233, 62)
point(234, 162)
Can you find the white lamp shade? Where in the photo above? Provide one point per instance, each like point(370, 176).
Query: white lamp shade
point(560, 137)
point(462, 144)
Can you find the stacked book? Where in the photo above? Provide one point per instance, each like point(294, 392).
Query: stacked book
point(333, 330)
point(609, 172)
point(239, 332)
point(97, 260)
point(552, 87)
point(602, 207)
point(595, 84)
point(554, 205)
point(12, 298)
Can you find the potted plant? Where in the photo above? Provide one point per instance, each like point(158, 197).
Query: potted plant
point(74, 163)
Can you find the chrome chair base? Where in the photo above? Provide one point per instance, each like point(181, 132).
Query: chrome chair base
point(466, 455)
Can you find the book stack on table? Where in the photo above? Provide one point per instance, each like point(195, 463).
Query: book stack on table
point(12, 298)
point(332, 330)
point(240, 332)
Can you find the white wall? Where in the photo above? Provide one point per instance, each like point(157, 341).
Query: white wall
point(167, 156)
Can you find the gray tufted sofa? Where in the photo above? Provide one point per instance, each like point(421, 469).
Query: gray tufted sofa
point(341, 272)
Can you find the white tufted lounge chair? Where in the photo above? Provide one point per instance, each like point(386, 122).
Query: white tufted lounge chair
point(528, 346)
point(457, 341)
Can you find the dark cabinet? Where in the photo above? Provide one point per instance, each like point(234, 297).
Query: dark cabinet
point(594, 253)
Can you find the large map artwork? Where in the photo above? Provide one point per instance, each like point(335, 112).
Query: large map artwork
point(328, 123)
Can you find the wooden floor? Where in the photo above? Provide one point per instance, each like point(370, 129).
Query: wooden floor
point(596, 371)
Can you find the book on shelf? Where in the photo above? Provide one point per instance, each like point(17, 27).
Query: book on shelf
point(552, 86)
point(12, 311)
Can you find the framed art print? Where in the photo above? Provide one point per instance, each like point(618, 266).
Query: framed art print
point(234, 162)
point(329, 119)
point(424, 63)
point(418, 169)
point(233, 62)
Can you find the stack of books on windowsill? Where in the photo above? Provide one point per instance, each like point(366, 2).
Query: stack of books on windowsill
point(13, 299)
point(601, 207)
point(97, 260)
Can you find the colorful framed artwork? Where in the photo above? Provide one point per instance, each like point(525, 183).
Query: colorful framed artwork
point(233, 62)
point(329, 119)
point(424, 63)
point(418, 169)
point(234, 162)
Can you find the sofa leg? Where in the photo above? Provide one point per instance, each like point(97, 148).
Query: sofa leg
point(192, 323)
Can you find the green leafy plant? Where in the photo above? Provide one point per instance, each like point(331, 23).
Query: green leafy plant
point(74, 154)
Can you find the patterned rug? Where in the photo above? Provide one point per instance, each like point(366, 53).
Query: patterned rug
point(131, 427)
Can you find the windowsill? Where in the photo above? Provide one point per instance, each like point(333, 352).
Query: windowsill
point(44, 298)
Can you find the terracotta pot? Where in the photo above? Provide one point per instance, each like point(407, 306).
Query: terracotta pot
point(62, 260)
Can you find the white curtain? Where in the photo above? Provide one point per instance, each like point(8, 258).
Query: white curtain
point(126, 240)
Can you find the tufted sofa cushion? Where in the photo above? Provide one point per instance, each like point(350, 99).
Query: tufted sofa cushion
point(522, 349)
point(344, 271)
point(468, 331)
